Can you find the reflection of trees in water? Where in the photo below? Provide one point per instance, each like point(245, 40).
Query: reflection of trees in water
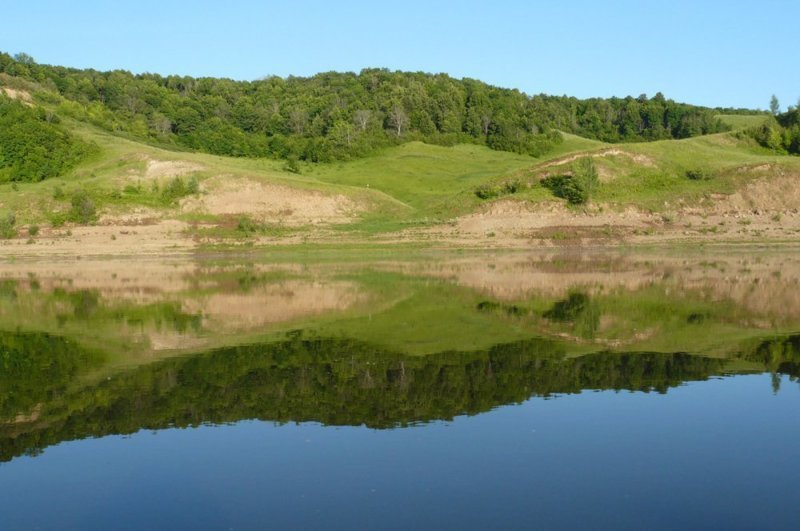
point(779, 356)
point(335, 382)
point(37, 368)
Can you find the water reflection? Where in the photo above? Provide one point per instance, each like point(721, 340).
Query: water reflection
point(96, 348)
point(331, 381)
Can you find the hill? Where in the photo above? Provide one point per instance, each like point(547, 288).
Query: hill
point(340, 116)
point(123, 191)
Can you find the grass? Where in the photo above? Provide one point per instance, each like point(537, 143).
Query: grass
point(742, 121)
point(424, 177)
point(653, 176)
point(411, 185)
point(573, 143)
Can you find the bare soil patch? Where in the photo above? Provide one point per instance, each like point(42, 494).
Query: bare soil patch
point(157, 169)
point(640, 159)
point(227, 195)
point(17, 94)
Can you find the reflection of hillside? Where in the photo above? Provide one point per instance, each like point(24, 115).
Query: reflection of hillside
point(143, 313)
point(335, 382)
point(273, 303)
point(766, 286)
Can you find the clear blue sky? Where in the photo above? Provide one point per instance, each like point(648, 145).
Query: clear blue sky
point(727, 53)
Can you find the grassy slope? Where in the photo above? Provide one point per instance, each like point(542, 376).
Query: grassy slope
point(407, 184)
point(414, 183)
point(741, 121)
point(121, 160)
point(652, 175)
point(663, 179)
point(424, 176)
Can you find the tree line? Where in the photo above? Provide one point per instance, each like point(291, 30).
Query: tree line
point(335, 116)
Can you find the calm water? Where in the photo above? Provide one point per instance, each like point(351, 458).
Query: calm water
point(463, 392)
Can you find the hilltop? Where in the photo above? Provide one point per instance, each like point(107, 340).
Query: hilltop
point(90, 176)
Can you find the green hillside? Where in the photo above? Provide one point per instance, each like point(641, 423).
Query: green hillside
point(341, 116)
point(71, 161)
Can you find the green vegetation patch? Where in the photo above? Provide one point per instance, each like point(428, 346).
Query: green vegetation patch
point(33, 146)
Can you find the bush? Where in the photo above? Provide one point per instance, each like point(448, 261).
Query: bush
point(771, 135)
point(57, 219)
point(512, 187)
point(586, 175)
point(487, 191)
point(58, 192)
point(292, 165)
point(7, 223)
point(83, 209)
point(577, 188)
point(698, 175)
point(566, 187)
point(248, 226)
point(33, 230)
point(193, 186)
point(177, 189)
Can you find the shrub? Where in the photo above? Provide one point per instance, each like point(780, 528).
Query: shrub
point(174, 190)
point(585, 174)
point(177, 189)
point(193, 186)
point(58, 192)
point(33, 230)
point(487, 191)
point(577, 188)
point(566, 187)
point(698, 175)
point(83, 209)
point(248, 226)
point(512, 187)
point(7, 223)
point(292, 164)
point(57, 219)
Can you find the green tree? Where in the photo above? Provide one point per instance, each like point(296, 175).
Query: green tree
point(774, 105)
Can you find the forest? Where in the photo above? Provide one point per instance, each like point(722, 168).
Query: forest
point(338, 116)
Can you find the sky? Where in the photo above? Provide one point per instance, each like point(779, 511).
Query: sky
point(707, 52)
